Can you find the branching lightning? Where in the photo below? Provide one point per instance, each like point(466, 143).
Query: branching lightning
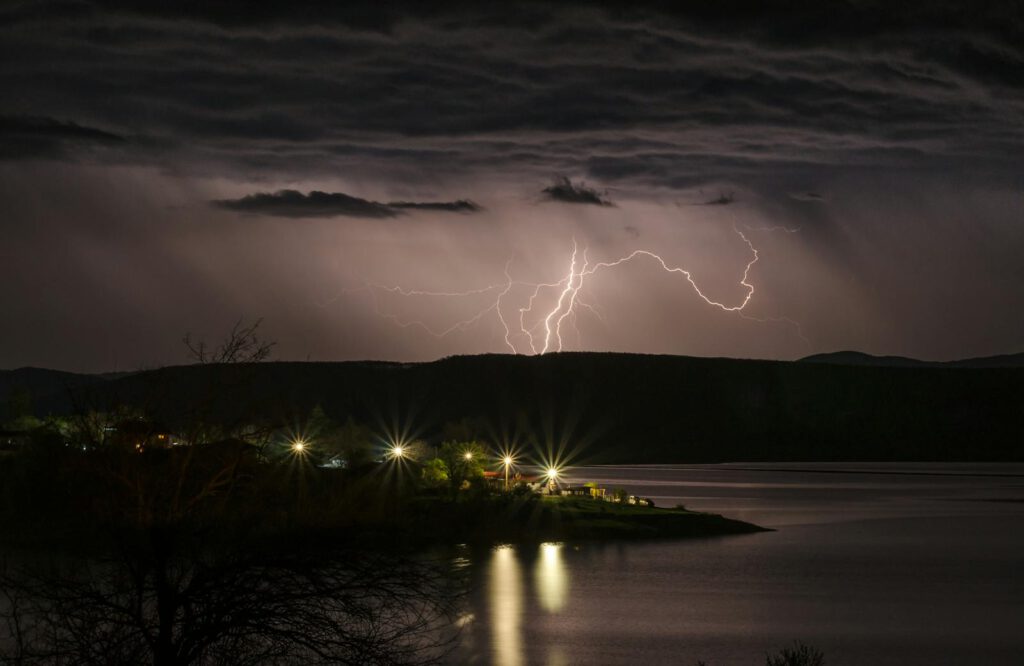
point(544, 334)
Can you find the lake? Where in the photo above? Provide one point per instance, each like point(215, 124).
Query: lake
point(872, 563)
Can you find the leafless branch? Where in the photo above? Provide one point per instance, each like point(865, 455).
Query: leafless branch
point(242, 345)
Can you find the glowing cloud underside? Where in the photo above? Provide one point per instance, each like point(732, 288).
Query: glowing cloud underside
point(545, 333)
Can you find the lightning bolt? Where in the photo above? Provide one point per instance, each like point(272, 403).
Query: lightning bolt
point(545, 333)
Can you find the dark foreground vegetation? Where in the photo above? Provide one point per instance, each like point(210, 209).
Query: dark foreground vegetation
point(207, 554)
point(799, 654)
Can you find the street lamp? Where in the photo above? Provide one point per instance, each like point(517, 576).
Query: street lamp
point(552, 475)
point(397, 451)
point(298, 447)
point(468, 455)
point(507, 460)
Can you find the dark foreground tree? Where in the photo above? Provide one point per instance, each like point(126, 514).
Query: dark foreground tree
point(243, 344)
point(462, 462)
point(251, 609)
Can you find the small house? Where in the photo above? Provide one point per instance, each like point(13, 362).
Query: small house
point(586, 490)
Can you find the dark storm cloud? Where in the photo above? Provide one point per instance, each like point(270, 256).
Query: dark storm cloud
point(566, 191)
point(806, 196)
point(34, 136)
point(459, 206)
point(651, 94)
point(723, 199)
point(789, 21)
point(292, 203)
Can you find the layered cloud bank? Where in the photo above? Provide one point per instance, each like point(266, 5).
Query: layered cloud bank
point(642, 95)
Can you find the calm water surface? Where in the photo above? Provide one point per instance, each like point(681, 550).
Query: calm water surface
point(873, 563)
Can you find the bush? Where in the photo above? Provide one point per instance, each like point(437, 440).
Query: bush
point(799, 655)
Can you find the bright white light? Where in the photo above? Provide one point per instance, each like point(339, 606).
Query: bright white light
point(398, 451)
point(468, 455)
point(507, 461)
point(552, 473)
point(298, 446)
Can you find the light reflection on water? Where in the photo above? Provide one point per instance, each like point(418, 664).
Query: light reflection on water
point(551, 577)
point(901, 569)
point(506, 587)
point(508, 595)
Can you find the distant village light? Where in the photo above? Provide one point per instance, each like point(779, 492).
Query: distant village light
point(298, 446)
point(398, 451)
point(468, 455)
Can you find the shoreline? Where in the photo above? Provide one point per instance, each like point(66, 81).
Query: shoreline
point(565, 519)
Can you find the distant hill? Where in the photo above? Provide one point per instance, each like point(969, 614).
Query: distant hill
point(620, 408)
point(1001, 361)
point(42, 383)
point(860, 358)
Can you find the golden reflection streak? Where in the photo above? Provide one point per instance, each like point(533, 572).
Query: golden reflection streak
point(551, 578)
point(506, 587)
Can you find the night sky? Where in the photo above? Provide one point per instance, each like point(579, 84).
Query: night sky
point(389, 181)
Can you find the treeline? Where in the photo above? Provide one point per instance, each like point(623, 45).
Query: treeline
point(73, 477)
point(620, 408)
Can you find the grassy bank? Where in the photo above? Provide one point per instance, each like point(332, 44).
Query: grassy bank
point(581, 518)
point(532, 518)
